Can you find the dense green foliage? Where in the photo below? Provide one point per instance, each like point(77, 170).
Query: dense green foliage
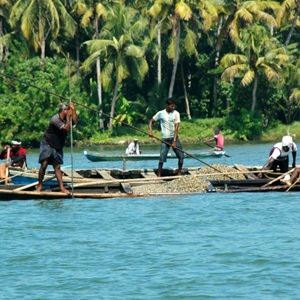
point(235, 61)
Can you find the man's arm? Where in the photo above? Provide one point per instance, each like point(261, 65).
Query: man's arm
point(150, 127)
point(267, 165)
point(176, 129)
point(208, 140)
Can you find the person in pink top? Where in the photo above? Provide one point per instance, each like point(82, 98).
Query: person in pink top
point(218, 138)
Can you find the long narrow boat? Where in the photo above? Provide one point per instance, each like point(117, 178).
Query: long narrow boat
point(98, 156)
point(116, 183)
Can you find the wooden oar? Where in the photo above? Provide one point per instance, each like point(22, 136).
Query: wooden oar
point(213, 147)
point(279, 177)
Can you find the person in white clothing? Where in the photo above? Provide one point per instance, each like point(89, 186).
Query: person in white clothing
point(169, 119)
point(133, 148)
point(279, 155)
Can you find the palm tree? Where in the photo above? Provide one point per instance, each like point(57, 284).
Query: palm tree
point(290, 86)
point(90, 12)
point(119, 46)
point(244, 13)
point(212, 16)
point(288, 17)
point(175, 16)
point(260, 54)
point(5, 37)
point(40, 18)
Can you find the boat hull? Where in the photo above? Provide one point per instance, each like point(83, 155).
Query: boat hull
point(97, 156)
point(116, 183)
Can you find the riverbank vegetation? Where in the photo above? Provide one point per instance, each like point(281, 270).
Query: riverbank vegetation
point(229, 64)
point(194, 131)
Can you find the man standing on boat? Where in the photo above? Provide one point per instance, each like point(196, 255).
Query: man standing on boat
point(169, 122)
point(52, 143)
point(279, 155)
point(218, 138)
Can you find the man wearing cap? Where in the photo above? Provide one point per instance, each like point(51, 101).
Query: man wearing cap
point(52, 143)
point(18, 154)
point(133, 148)
point(279, 155)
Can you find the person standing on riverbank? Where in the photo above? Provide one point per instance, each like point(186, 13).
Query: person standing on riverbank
point(169, 119)
point(52, 143)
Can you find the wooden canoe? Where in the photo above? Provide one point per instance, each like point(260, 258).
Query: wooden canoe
point(98, 156)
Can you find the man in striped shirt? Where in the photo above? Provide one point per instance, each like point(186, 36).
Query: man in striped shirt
point(169, 119)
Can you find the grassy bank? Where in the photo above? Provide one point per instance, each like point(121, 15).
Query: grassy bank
point(189, 131)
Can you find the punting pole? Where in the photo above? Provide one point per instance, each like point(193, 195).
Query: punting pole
point(71, 131)
point(108, 116)
point(72, 157)
point(6, 168)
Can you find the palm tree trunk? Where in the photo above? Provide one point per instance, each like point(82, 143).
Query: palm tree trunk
point(98, 71)
point(1, 45)
point(99, 90)
point(217, 58)
point(287, 41)
point(187, 104)
point(159, 52)
point(77, 53)
point(113, 105)
point(254, 90)
point(43, 54)
point(176, 59)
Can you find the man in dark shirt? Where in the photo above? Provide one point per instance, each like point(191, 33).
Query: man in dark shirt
point(52, 143)
point(18, 154)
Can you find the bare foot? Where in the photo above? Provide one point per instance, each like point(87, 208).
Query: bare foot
point(39, 189)
point(65, 191)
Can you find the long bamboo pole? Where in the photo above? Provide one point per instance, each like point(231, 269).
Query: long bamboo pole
point(106, 115)
point(279, 177)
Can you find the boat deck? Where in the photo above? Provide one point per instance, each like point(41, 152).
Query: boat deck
point(116, 183)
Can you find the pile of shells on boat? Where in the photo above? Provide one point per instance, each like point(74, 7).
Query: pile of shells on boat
point(219, 172)
point(184, 184)
point(196, 183)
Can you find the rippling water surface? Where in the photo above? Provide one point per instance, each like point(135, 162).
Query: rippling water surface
point(207, 246)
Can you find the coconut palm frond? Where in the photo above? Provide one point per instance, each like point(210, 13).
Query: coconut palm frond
point(248, 78)
point(183, 10)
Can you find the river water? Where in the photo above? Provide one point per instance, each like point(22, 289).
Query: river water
point(205, 246)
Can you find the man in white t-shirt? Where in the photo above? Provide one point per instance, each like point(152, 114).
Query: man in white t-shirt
point(169, 119)
point(279, 155)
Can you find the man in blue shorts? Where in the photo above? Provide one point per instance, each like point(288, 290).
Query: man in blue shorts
point(169, 119)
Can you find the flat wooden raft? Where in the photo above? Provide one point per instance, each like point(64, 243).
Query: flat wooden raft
point(33, 195)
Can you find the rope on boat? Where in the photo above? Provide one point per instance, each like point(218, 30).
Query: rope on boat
point(108, 116)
